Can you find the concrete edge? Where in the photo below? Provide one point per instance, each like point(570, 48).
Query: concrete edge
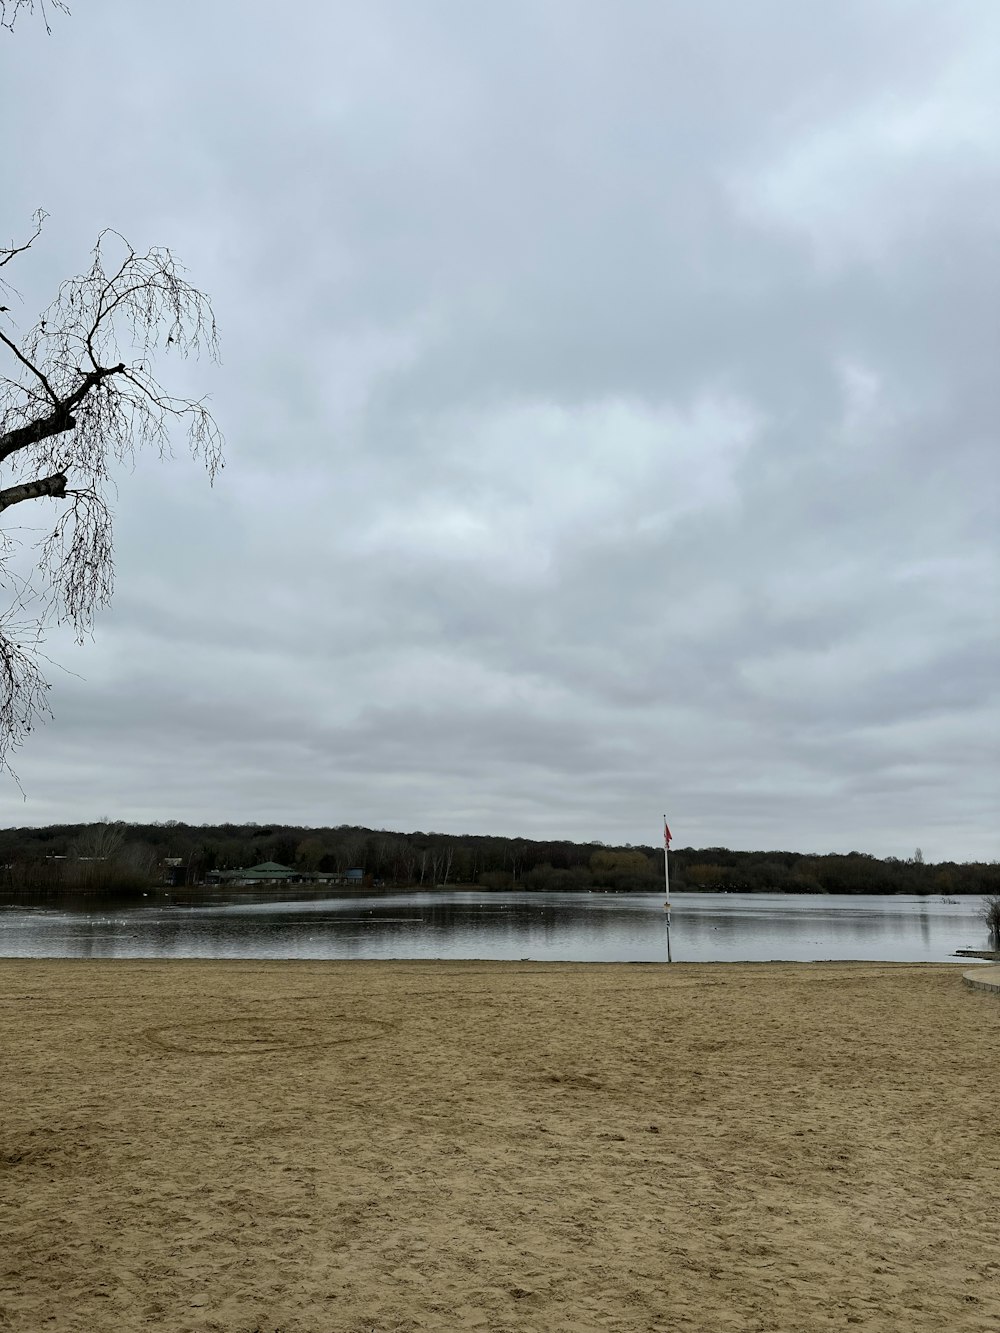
point(983, 978)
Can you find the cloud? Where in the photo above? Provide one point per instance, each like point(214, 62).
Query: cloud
point(611, 404)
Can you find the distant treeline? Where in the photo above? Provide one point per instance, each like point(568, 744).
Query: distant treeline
point(112, 856)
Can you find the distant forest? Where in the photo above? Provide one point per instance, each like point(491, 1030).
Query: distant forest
point(131, 857)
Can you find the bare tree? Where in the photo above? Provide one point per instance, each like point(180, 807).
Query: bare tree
point(405, 866)
point(102, 841)
point(80, 395)
point(447, 856)
point(514, 855)
point(350, 850)
point(990, 912)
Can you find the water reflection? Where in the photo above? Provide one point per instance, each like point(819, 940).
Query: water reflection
point(545, 926)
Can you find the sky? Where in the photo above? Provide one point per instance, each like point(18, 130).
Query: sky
point(611, 396)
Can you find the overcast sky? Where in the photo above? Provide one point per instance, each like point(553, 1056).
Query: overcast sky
point(611, 394)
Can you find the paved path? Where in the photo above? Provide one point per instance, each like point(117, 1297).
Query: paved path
point(984, 978)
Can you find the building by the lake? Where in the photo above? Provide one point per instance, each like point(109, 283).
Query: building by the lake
point(270, 872)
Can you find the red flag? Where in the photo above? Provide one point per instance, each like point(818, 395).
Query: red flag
point(666, 834)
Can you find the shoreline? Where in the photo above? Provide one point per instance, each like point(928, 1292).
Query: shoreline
point(958, 960)
point(213, 1146)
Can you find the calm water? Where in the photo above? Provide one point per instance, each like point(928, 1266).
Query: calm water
point(591, 927)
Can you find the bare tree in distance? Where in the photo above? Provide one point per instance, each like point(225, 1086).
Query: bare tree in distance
point(79, 395)
point(990, 913)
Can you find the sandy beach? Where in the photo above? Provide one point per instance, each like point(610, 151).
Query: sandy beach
point(386, 1147)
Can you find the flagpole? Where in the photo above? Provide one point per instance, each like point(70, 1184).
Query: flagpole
point(666, 883)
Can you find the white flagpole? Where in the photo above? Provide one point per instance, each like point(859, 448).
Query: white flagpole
point(666, 885)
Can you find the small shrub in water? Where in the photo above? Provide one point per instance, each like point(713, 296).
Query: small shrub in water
point(991, 915)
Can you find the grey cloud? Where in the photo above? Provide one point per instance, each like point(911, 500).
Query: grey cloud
point(612, 411)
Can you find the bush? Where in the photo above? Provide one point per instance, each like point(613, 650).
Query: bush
point(496, 880)
point(991, 915)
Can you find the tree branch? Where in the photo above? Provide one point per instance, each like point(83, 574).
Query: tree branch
point(35, 432)
point(76, 402)
point(30, 365)
point(9, 10)
point(33, 490)
point(9, 252)
point(62, 419)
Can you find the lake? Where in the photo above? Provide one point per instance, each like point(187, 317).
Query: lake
point(585, 927)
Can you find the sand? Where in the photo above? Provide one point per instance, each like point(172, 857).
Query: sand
point(380, 1147)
